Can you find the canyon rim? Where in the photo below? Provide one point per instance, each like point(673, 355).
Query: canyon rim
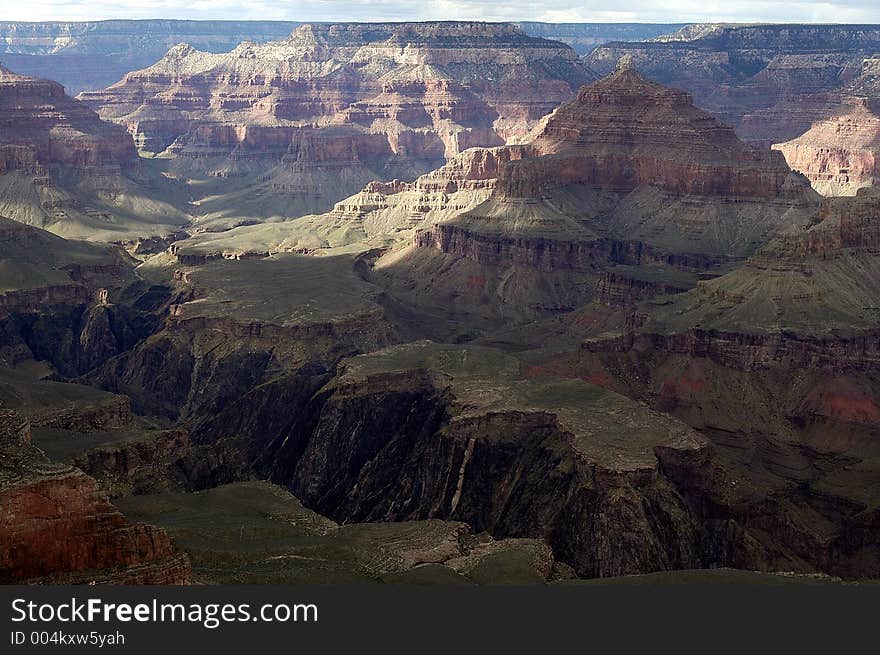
point(456, 302)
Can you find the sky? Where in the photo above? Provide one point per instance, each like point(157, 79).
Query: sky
point(645, 11)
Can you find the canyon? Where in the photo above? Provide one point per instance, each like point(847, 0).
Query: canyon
point(301, 123)
point(404, 323)
point(63, 168)
point(839, 154)
point(769, 82)
point(88, 56)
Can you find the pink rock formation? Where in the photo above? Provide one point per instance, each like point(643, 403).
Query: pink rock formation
point(39, 124)
point(841, 154)
point(391, 99)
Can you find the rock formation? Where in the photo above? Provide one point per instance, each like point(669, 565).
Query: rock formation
point(87, 56)
point(839, 154)
point(628, 173)
point(92, 55)
point(63, 168)
point(383, 212)
point(624, 342)
point(320, 114)
point(770, 82)
point(38, 114)
point(59, 300)
point(57, 527)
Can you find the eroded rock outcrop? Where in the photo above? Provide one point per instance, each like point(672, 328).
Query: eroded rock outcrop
point(63, 168)
point(454, 435)
point(57, 527)
point(382, 213)
point(37, 113)
point(90, 55)
point(322, 113)
point(770, 82)
point(628, 174)
point(238, 324)
point(841, 154)
point(59, 300)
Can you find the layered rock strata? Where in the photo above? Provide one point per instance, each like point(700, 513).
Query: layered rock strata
point(320, 114)
point(768, 81)
point(841, 154)
point(63, 168)
point(628, 174)
point(58, 527)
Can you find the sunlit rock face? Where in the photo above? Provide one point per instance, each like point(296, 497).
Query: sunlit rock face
point(770, 82)
point(841, 153)
point(332, 107)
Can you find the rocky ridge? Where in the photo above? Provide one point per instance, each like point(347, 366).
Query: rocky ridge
point(605, 184)
point(87, 56)
point(839, 154)
point(63, 168)
point(770, 82)
point(320, 114)
point(57, 527)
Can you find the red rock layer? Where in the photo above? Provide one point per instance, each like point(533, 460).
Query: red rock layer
point(40, 124)
point(57, 527)
point(623, 132)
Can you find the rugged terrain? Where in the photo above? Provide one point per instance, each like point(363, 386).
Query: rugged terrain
point(84, 56)
point(301, 123)
point(839, 155)
point(607, 200)
point(625, 343)
point(63, 168)
point(770, 82)
point(87, 56)
point(58, 527)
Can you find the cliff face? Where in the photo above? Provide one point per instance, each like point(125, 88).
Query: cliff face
point(629, 173)
point(768, 81)
point(91, 55)
point(839, 155)
point(57, 527)
point(227, 332)
point(454, 436)
point(463, 433)
point(367, 101)
point(58, 300)
point(624, 131)
point(794, 415)
point(37, 114)
point(63, 168)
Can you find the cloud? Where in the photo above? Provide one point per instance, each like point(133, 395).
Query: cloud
point(839, 11)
